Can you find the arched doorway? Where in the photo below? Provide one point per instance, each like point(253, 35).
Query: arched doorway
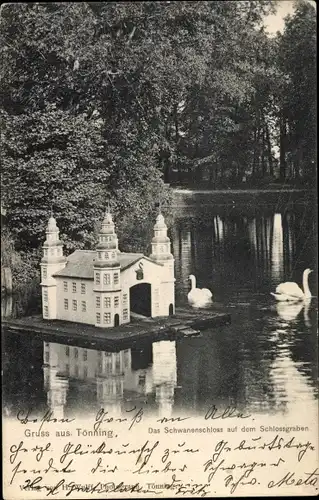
point(171, 310)
point(116, 320)
point(141, 299)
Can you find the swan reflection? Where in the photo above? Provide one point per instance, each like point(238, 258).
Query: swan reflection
point(289, 311)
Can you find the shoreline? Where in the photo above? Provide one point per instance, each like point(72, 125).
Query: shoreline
point(185, 322)
point(188, 190)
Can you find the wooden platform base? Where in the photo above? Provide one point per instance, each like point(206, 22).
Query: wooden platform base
point(186, 322)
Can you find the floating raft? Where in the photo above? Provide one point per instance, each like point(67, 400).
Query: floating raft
point(184, 323)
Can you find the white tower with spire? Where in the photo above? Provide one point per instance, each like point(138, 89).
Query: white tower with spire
point(52, 261)
point(161, 253)
point(107, 277)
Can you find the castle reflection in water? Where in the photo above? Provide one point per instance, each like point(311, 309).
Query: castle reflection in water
point(264, 361)
point(77, 378)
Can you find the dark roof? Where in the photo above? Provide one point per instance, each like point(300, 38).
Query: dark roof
point(80, 263)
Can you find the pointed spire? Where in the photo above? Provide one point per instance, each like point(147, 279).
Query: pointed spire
point(160, 222)
point(52, 227)
point(108, 220)
point(107, 215)
point(107, 248)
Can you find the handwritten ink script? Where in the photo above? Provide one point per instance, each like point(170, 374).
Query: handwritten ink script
point(223, 452)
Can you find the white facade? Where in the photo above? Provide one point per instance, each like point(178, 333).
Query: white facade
point(102, 287)
point(78, 300)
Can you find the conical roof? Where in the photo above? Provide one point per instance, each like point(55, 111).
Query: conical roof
point(52, 225)
point(160, 222)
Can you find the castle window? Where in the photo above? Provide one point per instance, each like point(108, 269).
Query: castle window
point(124, 299)
point(76, 352)
point(45, 252)
point(45, 295)
point(67, 369)
point(83, 288)
point(52, 251)
point(45, 274)
point(65, 286)
point(85, 355)
point(47, 357)
point(125, 314)
point(97, 278)
point(113, 255)
point(107, 317)
point(107, 302)
point(106, 255)
point(116, 301)
point(46, 311)
point(83, 306)
point(74, 305)
point(67, 350)
point(76, 371)
point(74, 287)
point(116, 278)
point(85, 372)
point(106, 279)
point(99, 255)
point(98, 317)
point(98, 302)
point(66, 304)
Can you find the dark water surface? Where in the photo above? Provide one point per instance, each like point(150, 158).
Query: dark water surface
point(265, 361)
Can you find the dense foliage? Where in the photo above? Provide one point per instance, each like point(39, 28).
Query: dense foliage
point(298, 96)
point(107, 100)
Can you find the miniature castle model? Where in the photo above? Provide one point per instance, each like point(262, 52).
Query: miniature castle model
point(102, 287)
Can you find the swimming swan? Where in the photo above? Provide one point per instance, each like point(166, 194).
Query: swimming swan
point(198, 297)
point(291, 292)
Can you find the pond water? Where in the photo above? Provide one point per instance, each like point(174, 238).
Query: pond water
point(265, 361)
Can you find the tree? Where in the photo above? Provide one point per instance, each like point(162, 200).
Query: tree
point(99, 98)
point(297, 61)
point(69, 138)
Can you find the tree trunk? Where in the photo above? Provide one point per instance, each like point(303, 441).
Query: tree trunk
point(6, 280)
point(253, 173)
point(283, 165)
point(271, 165)
point(263, 160)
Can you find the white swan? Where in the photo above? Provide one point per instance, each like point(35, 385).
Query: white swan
point(198, 297)
point(291, 292)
